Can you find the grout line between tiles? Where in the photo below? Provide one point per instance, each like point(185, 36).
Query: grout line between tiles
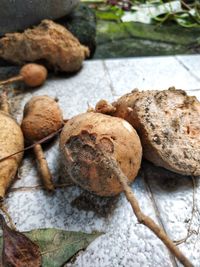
point(107, 73)
point(187, 68)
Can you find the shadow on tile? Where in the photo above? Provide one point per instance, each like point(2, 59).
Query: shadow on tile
point(165, 180)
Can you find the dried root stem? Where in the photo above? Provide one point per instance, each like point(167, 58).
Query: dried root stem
point(142, 218)
point(12, 80)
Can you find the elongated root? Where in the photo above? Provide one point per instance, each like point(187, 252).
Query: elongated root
point(142, 218)
point(43, 167)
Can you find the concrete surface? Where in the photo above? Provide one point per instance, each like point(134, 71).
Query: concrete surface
point(167, 199)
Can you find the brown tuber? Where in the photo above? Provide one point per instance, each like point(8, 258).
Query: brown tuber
point(11, 141)
point(42, 117)
point(114, 135)
point(49, 42)
point(32, 74)
point(102, 154)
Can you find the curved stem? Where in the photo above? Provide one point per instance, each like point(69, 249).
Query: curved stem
point(142, 218)
point(12, 80)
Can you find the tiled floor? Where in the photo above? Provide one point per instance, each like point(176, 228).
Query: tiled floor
point(168, 198)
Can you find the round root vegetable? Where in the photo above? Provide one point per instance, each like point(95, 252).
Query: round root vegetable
point(42, 117)
point(32, 74)
point(102, 154)
point(11, 141)
point(112, 135)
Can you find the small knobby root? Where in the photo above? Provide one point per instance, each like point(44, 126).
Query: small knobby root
point(142, 218)
point(43, 167)
point(4, 103)
point(11, 80)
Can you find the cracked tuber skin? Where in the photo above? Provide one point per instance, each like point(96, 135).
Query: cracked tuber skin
point(42, 117)
point(11, 141)
point(103, 154)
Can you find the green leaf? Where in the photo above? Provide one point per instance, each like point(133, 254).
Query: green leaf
point(110, 15)
point(58, 246)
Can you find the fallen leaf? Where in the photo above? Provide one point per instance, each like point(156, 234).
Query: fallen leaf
point(18, 250)
point(58, 246)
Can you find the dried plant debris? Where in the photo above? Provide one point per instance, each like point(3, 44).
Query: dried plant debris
point(18, 250)
point(43, 247)
point(49, 42)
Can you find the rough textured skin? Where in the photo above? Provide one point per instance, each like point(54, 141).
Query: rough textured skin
point(49, 42)
point(168, 123)
point(11, 141)
point(80, 140)
point(42, 117)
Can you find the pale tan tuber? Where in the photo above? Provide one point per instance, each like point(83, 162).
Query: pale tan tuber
point(11, 141)
point(31, 74)
point(102, 154)
point(49, 42)
point(42, 117)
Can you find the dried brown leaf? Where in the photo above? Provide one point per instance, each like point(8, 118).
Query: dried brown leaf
point(18, 250)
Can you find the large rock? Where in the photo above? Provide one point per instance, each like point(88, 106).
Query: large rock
point(82, 24)
point(19, 14)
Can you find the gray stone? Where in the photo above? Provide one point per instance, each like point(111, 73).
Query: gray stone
point(19, 14)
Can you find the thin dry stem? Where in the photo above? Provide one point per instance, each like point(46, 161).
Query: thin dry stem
point(5, 211)
point(190, 232)
point(43, 167)
point(4, 103)
point(12, 80)
point(32, 146)
point(38, 187)
point(142, 218)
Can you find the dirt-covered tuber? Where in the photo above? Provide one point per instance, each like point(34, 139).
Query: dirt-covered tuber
point(42, 117)
point(49, 43)
point(11, 141)
point(115, 136)
point(168, 123)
